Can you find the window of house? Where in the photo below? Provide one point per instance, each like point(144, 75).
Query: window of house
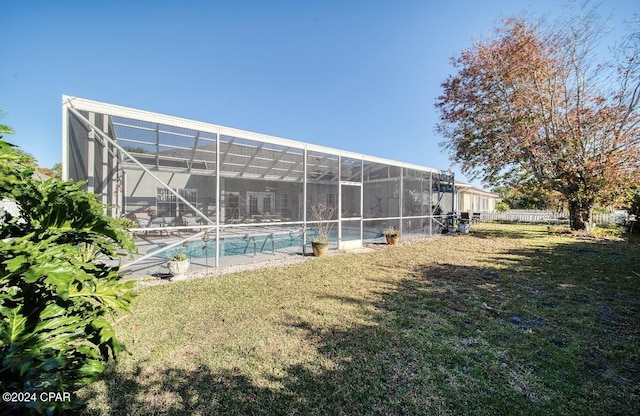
point(260, 202)
point(484, 204)
point(253, 204)
point(168, 204)
point(232, 206)
point(266, 204)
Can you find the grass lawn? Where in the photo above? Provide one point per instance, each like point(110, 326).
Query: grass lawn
point(508, 320)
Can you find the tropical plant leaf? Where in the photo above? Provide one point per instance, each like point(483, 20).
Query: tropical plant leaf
point(54, 298)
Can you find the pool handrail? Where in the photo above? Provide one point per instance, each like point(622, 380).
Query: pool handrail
point(254, 245)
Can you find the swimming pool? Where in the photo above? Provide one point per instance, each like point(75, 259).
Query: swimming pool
point(264, 243)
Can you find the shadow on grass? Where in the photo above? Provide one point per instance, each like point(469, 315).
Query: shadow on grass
point(544, 335)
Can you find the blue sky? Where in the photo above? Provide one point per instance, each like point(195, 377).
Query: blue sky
point(356, 75)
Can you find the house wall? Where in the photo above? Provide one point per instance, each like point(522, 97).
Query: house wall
point(141, 194)
point(473, 202)
point(285, 206)
point(141, 188)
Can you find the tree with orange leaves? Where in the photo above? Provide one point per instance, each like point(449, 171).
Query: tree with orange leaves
point(533, 104)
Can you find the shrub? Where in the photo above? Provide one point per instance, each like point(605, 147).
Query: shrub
point(502, 206)
point(126, 223)
point(605, 232)
point(322, 214)
point(559, 230)
point(180, 256)
point(55, 296)
point(391, 231)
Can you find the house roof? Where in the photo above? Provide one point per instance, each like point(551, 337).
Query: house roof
point(470, 189)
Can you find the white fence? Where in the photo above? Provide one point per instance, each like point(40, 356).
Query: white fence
point(542, 217)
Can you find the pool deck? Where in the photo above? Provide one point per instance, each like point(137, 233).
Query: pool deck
point(155, 267)
point(154, 270)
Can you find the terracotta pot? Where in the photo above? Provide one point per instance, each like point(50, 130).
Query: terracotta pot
point(319, 248)
point(392, 239)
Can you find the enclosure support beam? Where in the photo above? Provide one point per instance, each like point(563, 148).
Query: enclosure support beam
point(304, 201)
point(339, 201)
point(218, 200)
point(401, 198)
point(91, 156)
point(105, 180)
point(65, 141)
point(431, 202)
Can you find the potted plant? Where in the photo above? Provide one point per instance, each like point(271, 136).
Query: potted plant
point(320, 245)
point(320, 242)
point(392, 235)
point(178, 266)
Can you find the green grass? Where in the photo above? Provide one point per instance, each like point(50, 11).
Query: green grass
point(507, 320)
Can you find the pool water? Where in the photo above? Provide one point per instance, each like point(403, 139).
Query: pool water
point(235, 246)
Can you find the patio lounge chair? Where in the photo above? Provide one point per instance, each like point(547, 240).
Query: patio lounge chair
point(143, 220)
point(190, 221)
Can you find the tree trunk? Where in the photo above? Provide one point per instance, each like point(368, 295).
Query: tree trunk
point(579, 215)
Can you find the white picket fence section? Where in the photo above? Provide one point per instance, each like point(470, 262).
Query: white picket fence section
point(542, 217)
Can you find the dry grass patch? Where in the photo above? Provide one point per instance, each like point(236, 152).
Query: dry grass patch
point(506, 320)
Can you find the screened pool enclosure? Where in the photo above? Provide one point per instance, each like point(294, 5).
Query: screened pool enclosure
point(224, 195)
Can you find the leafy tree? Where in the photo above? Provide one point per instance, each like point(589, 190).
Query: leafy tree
point(55, 295)
point(531, 196)
point(533, 104)
point(634, 209)
point(135, 149)
point(502, 206)
point(54, 172)
point(5, 129)
point(57, 170)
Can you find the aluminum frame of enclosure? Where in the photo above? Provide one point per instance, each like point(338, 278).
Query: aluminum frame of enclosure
point(228, 182)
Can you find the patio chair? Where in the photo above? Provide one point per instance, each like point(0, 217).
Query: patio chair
point(159, 223)
point(190, 221)
point(143, 221)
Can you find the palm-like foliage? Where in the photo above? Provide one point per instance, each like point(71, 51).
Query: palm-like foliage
point(56, 287)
